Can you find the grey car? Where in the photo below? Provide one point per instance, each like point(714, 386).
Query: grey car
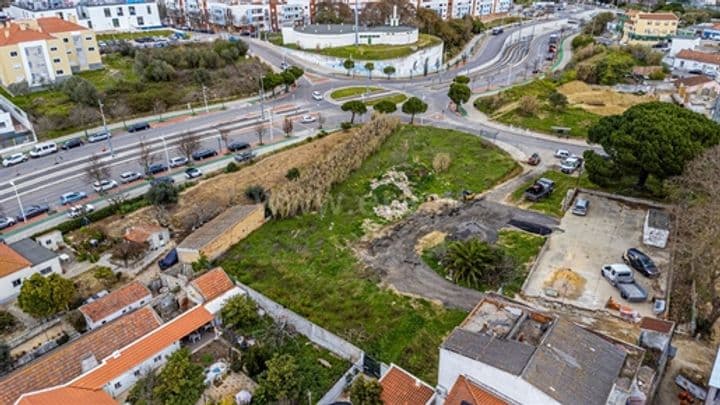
point(581, 207)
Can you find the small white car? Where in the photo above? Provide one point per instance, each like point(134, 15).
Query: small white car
point(317, 96)
point(570, 164)
point(78, 210)
point(14, 159)
point(129, 177)
point(178, 161)
point(104, 185)
point(562, 153)
point(307, 118)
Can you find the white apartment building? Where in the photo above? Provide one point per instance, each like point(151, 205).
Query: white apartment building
point(250, 17)
point(97, 15)
point(21, 260)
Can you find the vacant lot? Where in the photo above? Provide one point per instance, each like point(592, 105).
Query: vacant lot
point(551, 205)
point(600, 100)
point(570, 266)
point(307, 263)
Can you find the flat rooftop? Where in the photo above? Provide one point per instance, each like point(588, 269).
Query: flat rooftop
point(216, 227)
point(335, 29)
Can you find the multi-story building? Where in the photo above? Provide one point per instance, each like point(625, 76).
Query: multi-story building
point(248, 17)
point(97, 15)
point(460, 8)
point(21, 260)
point(42, 51)
point(640, 27)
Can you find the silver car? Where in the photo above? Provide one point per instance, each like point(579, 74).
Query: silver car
point(581, 207)
point(129, 177)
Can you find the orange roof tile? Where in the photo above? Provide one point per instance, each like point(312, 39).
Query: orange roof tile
point(55, 24)
point(115, 301)
point(68, 395)
point(467, 392)
point(64, 363)
point(657, 325)
point(402, 388)
point(712, 58)
point(658, 16)
point(15, 34)
point(144, 348)
point(213, 283)
point(11, 261)
point(141, 233)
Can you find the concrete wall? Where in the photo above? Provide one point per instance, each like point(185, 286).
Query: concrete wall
point(308, 40)
point(124, 382)
point(117, 314)
point(8, 291)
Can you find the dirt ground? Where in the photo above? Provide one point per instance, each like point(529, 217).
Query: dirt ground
point(601, 100)
point(695, 360)
point(394, 255)
point(570, 266)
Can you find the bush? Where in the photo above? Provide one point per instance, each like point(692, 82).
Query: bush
point(256, 193)
point(162, 194)
point(528, 105)
point(292, 174)
point(231, 167)
point(105, 275)
point(346, 126)
point(558, 100)
point(77, 320)
point(657, 75)
point(7, 322)
point(581, 41)
point(441, 162)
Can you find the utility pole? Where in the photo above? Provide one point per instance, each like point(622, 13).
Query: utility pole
point(167, 155)
point(262, 100)
point(204, 90)
point(105, 128)
point(22, 211)
point(271, 124)
point(357, 25)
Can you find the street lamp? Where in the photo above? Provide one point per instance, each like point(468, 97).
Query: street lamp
point(167, 155)
point(105, 128)
point(22, 210)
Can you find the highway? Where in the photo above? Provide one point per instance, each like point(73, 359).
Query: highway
point(503, 60)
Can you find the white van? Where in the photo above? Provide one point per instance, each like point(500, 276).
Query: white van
point(43, 149)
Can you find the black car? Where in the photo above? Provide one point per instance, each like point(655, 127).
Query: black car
point(641, 262)
point(169, 260)
point(236, 146)
point(531, 227)
point(204, 154)
point(72, 143)
point(244, 156)
point(162, 180)
point(33, 211)
point(138, 126)
point(155, 169)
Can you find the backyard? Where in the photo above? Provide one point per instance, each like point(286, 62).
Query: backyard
point(307, 262)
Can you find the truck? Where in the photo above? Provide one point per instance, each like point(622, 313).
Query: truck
point(541, 189)
point(621, 277)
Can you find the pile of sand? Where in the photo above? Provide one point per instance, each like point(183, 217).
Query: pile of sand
point(566, 283)
point(601, 100)
point(429, 241)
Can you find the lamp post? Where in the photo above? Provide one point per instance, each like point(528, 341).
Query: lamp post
point(22, 210)
point(105, 128)
point(167, 155)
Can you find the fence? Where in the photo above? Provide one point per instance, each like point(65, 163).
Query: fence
point(342, 383)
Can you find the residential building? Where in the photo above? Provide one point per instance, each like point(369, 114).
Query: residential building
point(97, 15)
point(116, 304)
point(246, 17)
point(76, 357)
point(697, 84)
point(706, 62)
point(641, 27)
point(711, 32)
point(42, 51)
point(16, 129)
point(154, 236)
point(52, 240)
point(680, 43)
point(467, 391)
point(401, 387)
point(713, 393)
point(225, 230)
point(21, 260)
point(441, 7)
point(209, 286)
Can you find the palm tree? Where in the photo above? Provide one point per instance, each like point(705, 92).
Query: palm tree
point(477, 264)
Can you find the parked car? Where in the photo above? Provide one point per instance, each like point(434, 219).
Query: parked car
point(178, 161)
point(497, 31)
point(316, 95)
point(569, 165)
point(641, 262)
point(284, 65)
point(581, 207)
point(192, 172)
point(71, 197)
point(534, 159)
point(97, 137)
point(43, 149)
point(138, 126)
point(204, 154)
point(104, 185)
point(162, 180)
point(79, 210)
point(32, 211)
point(14, 159)
point(541, 189)
point(72, 143)
point(562, 153)
point(6, 222)
point(156, 168)
point(129, 177)
point(307, 118)
point(236, 146)
point(244, 156)
point(169, 260)
point(621, 277)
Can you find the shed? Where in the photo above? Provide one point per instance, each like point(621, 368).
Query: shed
point(656, 228)
point(227, 229)
point(155, 236)
point(51, 240)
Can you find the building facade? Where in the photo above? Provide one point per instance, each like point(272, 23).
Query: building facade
point(319, 36)
point(708, 63)
point(21, 260)
point(116, 304)
point(640, 27)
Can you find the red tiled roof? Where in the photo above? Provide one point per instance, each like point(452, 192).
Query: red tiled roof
point(144, 348)
point(64, 363)
point(467, 392)
point(141, 233)
point(11, 261)
point(657, 16)
point(401, 388)
point(213, 283)
point(689, 54)
point(115, 301)
point(68, 395)
point(15, 34)
point(55, 24)
point(693, 80)
point(658, 325)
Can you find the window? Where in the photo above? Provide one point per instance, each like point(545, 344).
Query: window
point(140, 21)
point(13, 54)
point(92, 48)
point(137, 373)
point(53, 49)
point(107, 12)
point(89, 24)
point(103, 322)
point(124, 310)
point(131, 10)
point(47, 269)
point(149, 10)
point(119, 11)
point(142, 302)
point(117, 385)
point(115, 22)
point(59, 72)
point(88, 38)
point(66, 40)
point(16, 283)
point(156, 359)
point(56, 60)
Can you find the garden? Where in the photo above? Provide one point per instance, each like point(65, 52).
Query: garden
point(305, 261)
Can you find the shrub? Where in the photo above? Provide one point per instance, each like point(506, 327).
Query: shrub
point(77, 320)
point(292, 174)
point(441, 162)
point(345, 126)
point(581, 41)
point(231, 167)
point(105, 275)
point(657, 75)
point(558, 100)
point(256, 193)
point(528, 105)
point(7, 322)
point(162, 194)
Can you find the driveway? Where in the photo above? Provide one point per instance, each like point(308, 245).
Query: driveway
point(393, 256)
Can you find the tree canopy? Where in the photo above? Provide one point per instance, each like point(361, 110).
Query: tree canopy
point(389, 71)
point(162, 194)
point(240, 312)
point(385, 107)
point(413, 106)
point(355, 107)
point(459, 93)
point(476, 263)
point(651, 139)
point(349, 65)
point(181, 382)
point(281, 381)
point(42, 296)
point(365, 391)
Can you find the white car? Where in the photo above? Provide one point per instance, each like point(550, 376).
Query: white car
point(570, 164)
point(306, 119)
point(14, 159)
point(562, 153)
point(178, 161)
point(78, 210)
point(317, 96)
point(104, 185)
point(129, 177)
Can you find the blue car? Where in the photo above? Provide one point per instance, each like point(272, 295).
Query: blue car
point(169, 260)
point(69, 198)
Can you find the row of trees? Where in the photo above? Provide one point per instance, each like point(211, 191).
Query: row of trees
point(288, 77)
point(411, 106)
point(349, 65)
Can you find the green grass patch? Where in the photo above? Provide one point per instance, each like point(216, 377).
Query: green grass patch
point(552, 205)
point(524, 248)
point(306, 263)
point(127, 36)
point(502, 21)
point(371, 52)
point(393, 98)
point(348, 92)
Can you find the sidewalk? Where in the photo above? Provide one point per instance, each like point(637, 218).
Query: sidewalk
point(565, 53)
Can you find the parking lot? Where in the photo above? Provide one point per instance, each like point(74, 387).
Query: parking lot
point(569, 268)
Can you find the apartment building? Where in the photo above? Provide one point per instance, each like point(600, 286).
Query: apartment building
point(460, 8)
point(20, 260)
point(42, 51)
point(97, 15)
point(640, 27)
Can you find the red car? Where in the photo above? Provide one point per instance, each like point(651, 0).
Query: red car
point(534, 159)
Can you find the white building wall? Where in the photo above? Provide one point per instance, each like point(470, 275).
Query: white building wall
point(117, 314)
point(146, 15)
point(311, 41)
point(6, 125)
point(453, 365)
point(438, 6)
point(9, 291)
point(127, 380)
point(687, 64)
point(678, 44)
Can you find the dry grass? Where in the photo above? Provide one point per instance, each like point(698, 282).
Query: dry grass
point(601, 100)
point(566, 282)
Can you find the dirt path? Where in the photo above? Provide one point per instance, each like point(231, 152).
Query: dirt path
point(694, 358)
point(394, 256)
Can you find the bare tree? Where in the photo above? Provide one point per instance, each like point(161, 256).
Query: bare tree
point(97, 170)
point(84, 115)
point(116, 199)
point(128, 250)
point(260, 132)
point(321, 120)
point(120, 110)
point(159, 107)
point(225, 136)
point(287, 126)
point(146, 157)
point(189, 143)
